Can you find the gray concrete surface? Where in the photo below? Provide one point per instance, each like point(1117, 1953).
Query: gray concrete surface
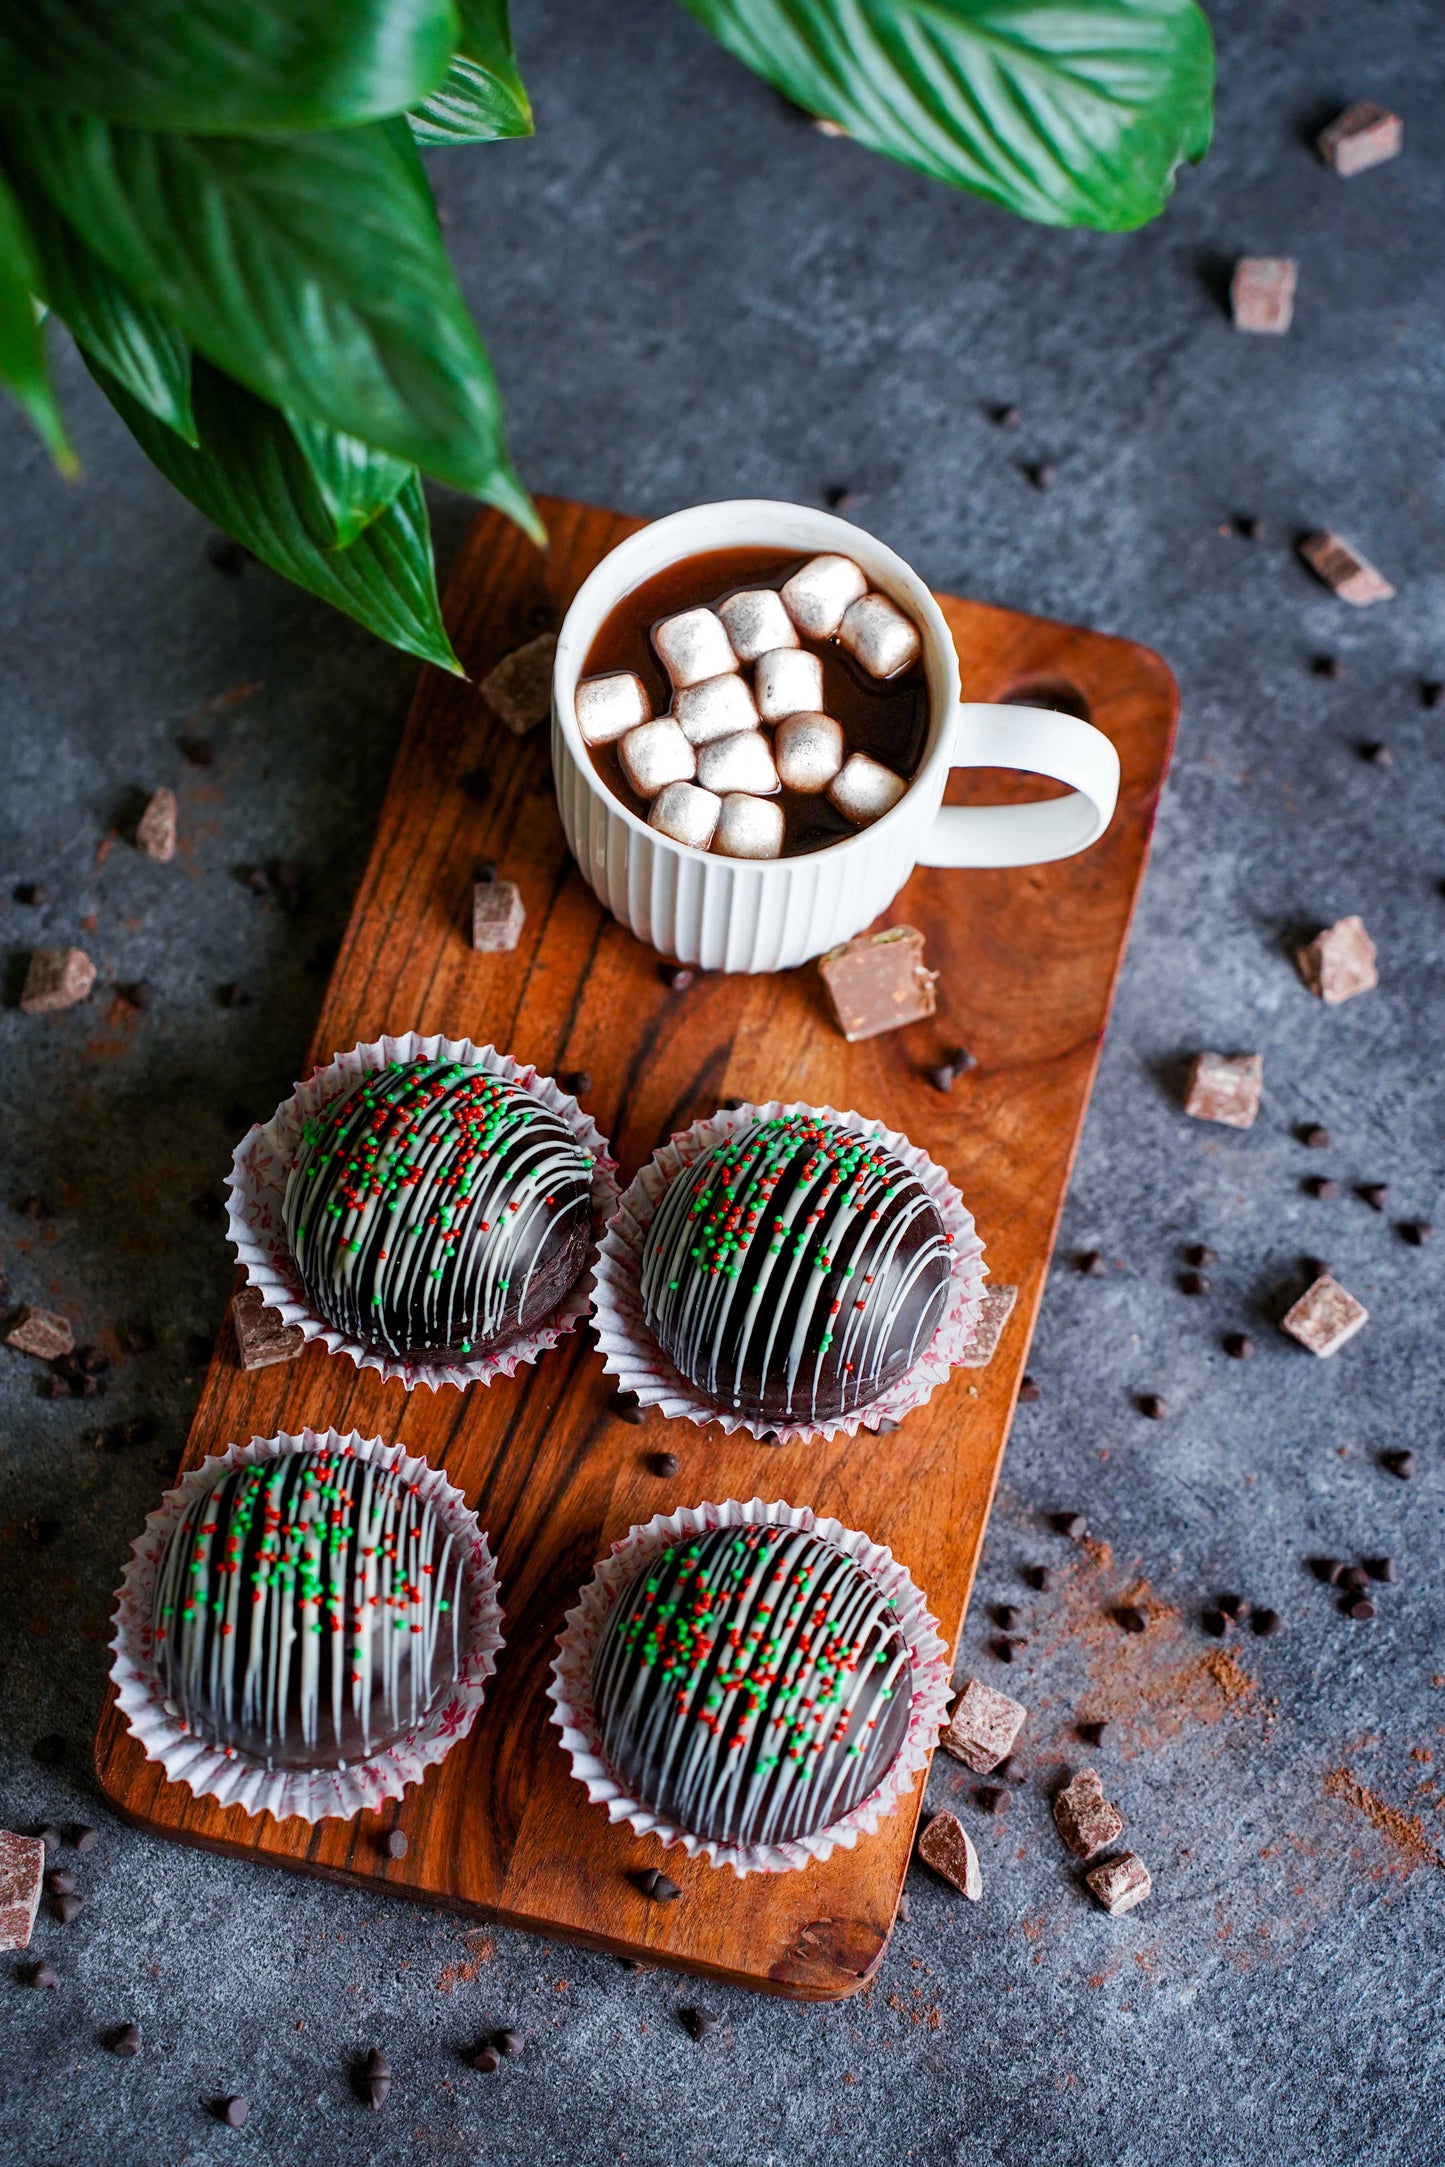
point(689, 292)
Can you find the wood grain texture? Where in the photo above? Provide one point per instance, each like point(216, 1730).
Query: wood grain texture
point(1028, 962)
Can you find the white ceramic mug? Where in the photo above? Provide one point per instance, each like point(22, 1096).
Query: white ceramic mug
point(736, 914)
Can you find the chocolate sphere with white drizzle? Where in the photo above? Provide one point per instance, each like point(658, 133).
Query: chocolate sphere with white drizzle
point(437, 1210)
point(752, 1686)
point(796, 1271)
point(308, 1610)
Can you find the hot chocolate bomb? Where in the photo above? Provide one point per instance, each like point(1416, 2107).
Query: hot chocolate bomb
point(796, 1271)
point(437, 1211)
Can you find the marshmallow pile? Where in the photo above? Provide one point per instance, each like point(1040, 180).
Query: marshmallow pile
point(708, 767)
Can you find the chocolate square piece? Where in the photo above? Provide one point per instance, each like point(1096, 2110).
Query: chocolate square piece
point(1120, 1883)
point(22, 1871)
point(41, 1333)
point(1225, 1087)
point(878, 981)
point(1344, 571)
point(1364, 135)
point(155, 833)
point(947, 1847)
point(982, 1729)
point(1324, 1317)
point(1340, 962)
point(519, 689)
point(497, 916)
point(994, 1312)
point(1084, 1817)
point(262, 1335)
point(57, 978)
point(1262, 293)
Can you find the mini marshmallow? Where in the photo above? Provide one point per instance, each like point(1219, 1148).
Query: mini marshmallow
point(788, 681)
point(719, 707)
point(877, 634)
point(694, 645)
point(608, 707)
point(656, 754)
point(865, 790)
point(817, 596)
point(738, 763)
point(757, 620)
point(809, 752)
point(687, 814)
point(749, 828)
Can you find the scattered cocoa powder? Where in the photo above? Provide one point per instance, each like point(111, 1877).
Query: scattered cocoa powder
point(1406, 1830)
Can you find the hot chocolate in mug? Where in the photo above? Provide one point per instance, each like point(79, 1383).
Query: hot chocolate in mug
point(750, 914)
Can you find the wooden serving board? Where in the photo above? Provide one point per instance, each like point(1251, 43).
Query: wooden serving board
point(1027, 963)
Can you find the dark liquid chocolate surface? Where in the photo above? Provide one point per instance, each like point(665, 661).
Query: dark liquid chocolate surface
point(887, 719)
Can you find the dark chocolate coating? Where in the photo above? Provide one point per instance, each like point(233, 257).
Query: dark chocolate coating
point(752, 1685)
point(796, 1271)
point(437, 1211)
point(308, 1611)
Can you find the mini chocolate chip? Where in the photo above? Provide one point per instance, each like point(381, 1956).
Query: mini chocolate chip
point(1320, 1185)
point(397, 1844)
point(1266, 1622)
point(905, 1908)
point(68, 1908)
point(225, 555)
point(771, 1437)
point(625, 1407)
point(34, 1206)
point(508, 2042)
point(1043, 474)
point(657, 1887)
point(1234, 1606)
point(1239, 1345)
point(1008, 1615)
point(1007, 417)
point(676, 977)
point(1355, 1579)
point(1328, 666)
point(1194, 1283)
point(43, 1975)
point(61, 1882)
point(31, 894)
point(82, 1838)
point(1039, 1576)
point(987, 1797)
point(577, 1081)
point(487, 2059)
point(1373, 1193)
point(1093, 1733)
point(1001, 1649)
point(375, 2081)
point(1029, 1391)
point(1377, 755)
point(135, 993)
point(49, 1750)
point(841, 498)
point(42, 1531)
point(197, 751)
point(485, 871)
point(1151, 1404)
point(1358, 1607)
point(733, 1106)
point(1249, 527)
point(1130, 1618)
point(1215, 1623)
point(1072, 1524)
point(1316, 1138)
point(125, 2041)
point(1327, 1569)
point(232, 995)
point(1401, 1464)
point(233, 2111)
point(1200, 1253)
point(477, 783)
point(941, 1077)
point(1380, 1568)
point(699, 2022)
point(665, 1464)
point(1416, 1232)
point(1432, 693)
point(1090, 1265)
point(51, 1838)
point(960, 1060)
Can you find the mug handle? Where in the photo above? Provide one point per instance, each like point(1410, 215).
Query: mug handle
point(1042, 743)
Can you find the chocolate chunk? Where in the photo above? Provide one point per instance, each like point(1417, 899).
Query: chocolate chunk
point(1416, 1232)
point(1265, 1622)
point(487, 2059)
point(1200, 1254)
point(1401, 1464)
point(43, 1975)
point(1029, 1391)
point(994, 1312)
point(1072, 1524)
point(1239, 1345)
point(1324, 1317)
point(1120, 1884)
point(498, 916)
point(1343, 570)
point(625, 1407)
point(262, 1335)
point(676, 977)
point(22, 1869)
point(56, 978)
point(1084, 1817)
point(699, 2022)
point(664, 1464)
point(1151, 1404)
point(1373, 1193)
point(509, 2043)
point(125, 2041)
point(40, 1332)
point(878, 981)
point(1339, 962)
point(1194, 1283)
point(1225, 1088)
point(657, 1887)
point(947, 1847)
point(1381, 1569)
point(983, 1727)
point(577, 1082)
point(519, 689)
point(1130, 1618)
point(155, 835)
point(233, 2111)
point(397, 1844)
point(1090, 1265)
point(1261, 293)
point(1320, 1185)
point(1364, 135)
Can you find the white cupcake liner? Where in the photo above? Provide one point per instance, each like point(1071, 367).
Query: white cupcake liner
point(571, 1689)
point(257, 1226)
point(632, 1354)
point(234, 1778)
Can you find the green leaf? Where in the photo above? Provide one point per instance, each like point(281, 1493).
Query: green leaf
point(1072, 112)
point(481, 97)
point(354, 482)
point(23, 368)
point(250, 476)
point(226, 67)
point(311, 268)
point(146, 353)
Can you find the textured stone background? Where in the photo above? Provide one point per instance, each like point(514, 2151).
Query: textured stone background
point(691, 293)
